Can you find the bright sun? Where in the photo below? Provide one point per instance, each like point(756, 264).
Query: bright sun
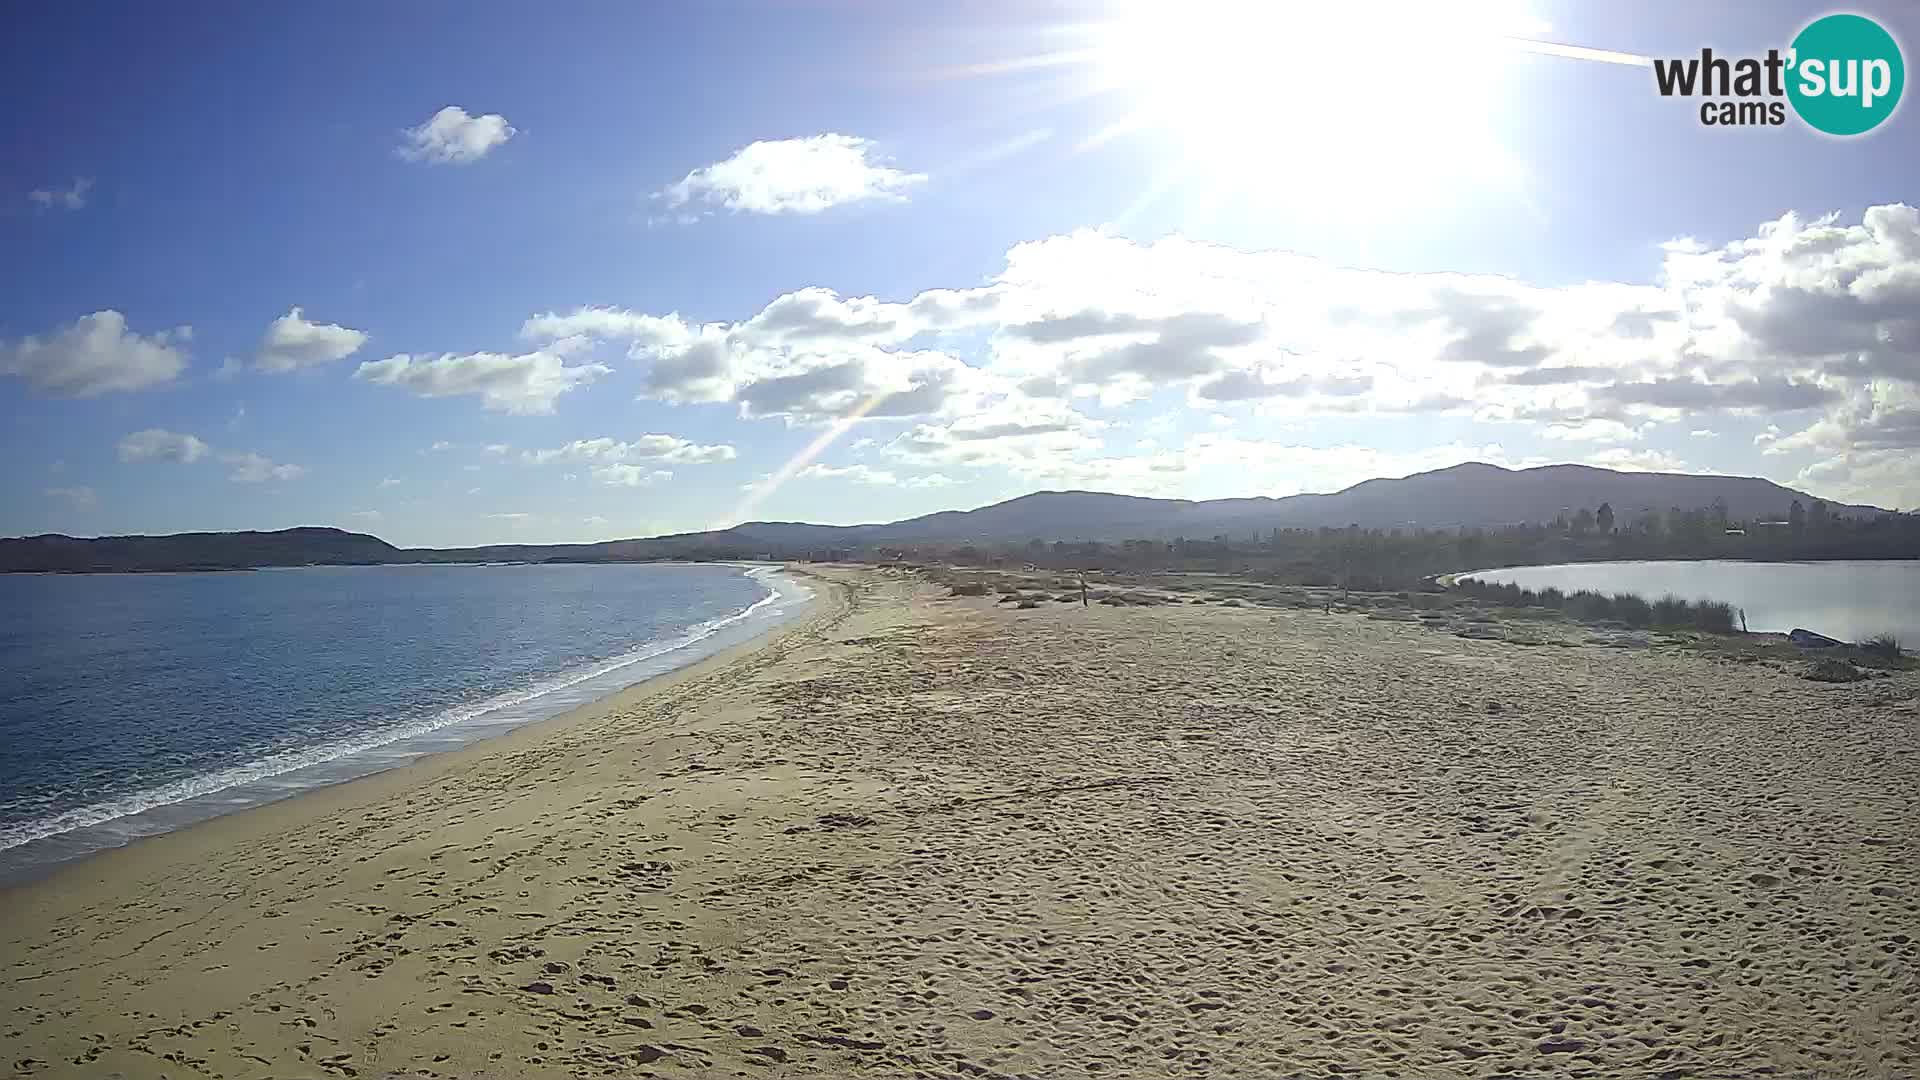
point(1326, 102)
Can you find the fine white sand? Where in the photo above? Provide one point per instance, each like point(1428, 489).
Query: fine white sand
point(931, 837)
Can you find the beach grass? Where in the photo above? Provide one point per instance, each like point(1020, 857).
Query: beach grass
point(1630, 609)
point(1882, 646)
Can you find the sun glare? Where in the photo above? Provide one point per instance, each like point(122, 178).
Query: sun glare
point(1318, 101)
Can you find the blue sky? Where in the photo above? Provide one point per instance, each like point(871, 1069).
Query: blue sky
point(842, 261)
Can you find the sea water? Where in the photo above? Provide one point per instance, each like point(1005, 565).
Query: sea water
point(133, 704)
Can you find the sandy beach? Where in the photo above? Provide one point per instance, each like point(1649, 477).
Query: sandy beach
point(924, 836)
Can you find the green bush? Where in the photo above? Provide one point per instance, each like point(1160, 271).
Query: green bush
point(970, 589)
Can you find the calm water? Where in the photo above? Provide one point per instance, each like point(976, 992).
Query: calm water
point(131, 704)
point(1846, 600)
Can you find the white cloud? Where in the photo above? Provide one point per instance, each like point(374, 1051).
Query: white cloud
point(452, 137)
point(513, 517)
point(439, 444)
point(1216, 464)
point(858, 474)
point(1590, 430)
point(498, 448)
point(72, 197)
point(366, 515)
point(808, 357)
point(1867, 445)
point(1627, 460)
point(159, 444)
point(1885, 478)
point(96, 354)
point(1795, 325)
point(866, 474)
point(1703, 433)
point(390, 481)
point(593, 519)
point(599, 322)
point(75, 498)
point(791, 176)
point(645, 448)
point(256, 469)
point(526, 384)
point(292, 342)
point(630, 475)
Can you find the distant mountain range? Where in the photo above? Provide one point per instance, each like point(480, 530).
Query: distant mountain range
point(1465, 495)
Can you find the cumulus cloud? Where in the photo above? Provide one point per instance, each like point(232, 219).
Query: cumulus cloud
point(96, 354)
point(159, 444)
point(71, 197)
point(791, 176)
point(452, 137)
point(1012, 436)
point(1765, 395)
point(808, 357)
point(524, 384)
point(1792, 324)
point(257, 469)
point(292, 342)
point(646, 448)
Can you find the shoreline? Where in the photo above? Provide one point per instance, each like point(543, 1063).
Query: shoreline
point(920, 833)
point(1679, 559)
point(94, 868)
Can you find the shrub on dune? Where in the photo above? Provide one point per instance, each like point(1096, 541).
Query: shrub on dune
point(1632, 610)
point(1884, 646)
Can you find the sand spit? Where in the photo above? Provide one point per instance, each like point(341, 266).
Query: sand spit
point(924, 836)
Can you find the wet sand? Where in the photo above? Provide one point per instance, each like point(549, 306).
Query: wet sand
point(914, 835)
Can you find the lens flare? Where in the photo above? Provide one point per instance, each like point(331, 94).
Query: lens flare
point(759, 492)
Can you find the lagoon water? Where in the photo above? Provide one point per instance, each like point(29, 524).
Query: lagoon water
point(1849, 600)
point(131, 704)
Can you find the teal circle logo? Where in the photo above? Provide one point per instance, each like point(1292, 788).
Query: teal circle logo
point(1846, 74)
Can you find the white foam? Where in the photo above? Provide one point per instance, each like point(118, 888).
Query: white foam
point(194, 787)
